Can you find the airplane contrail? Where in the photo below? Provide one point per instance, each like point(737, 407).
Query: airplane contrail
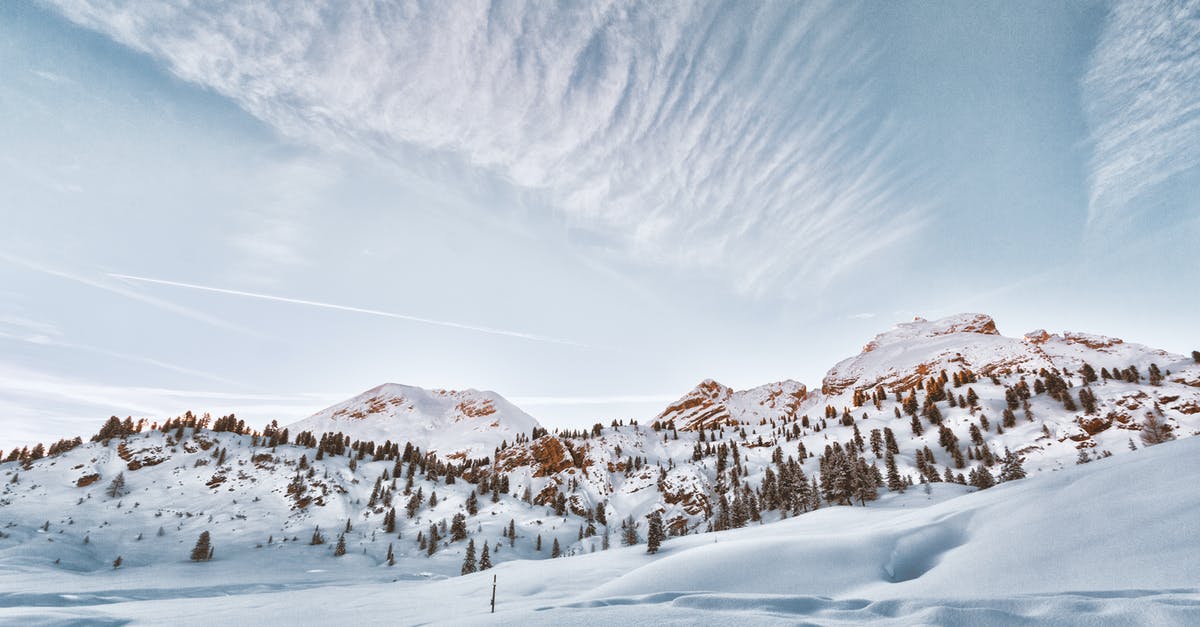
point(361, 310)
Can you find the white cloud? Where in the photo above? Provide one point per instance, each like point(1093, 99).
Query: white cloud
point(118, 289)
point(359, 310)
point(1142, 97)
point(741, 138)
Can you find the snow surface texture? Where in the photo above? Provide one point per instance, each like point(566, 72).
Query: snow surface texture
point(1113, 542)
point(1013, 549)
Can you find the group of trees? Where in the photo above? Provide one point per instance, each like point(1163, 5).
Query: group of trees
point(845, 475)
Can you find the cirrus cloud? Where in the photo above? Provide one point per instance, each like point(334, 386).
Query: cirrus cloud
point(746, 138)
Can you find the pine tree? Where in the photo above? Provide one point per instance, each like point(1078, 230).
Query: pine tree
point(432, 542)
point(202, 552)
point(629, 533)
point(654, 534)
point(458, 528)
point(116, 487)
point(894, 482)
point(1196, 356)
point(391, 556)
point(538, 547)
point(340, 549)
point(468, 565)
point(1155, 431)
point(555, 551)
point(472, 503)
point(1156, 376)
point(1011, 467)
point(485, 558)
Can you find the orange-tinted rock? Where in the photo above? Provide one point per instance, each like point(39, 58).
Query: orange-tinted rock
point(546, 455)
point(1095, 425)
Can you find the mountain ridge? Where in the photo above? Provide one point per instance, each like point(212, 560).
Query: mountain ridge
point(949, 402)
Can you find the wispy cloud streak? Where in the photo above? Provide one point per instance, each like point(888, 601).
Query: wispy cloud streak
point(745, 138)
point(117, 289)
point(1142, 97)
point(359, 310)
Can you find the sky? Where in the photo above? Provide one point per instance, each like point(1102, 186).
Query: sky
point(268, 207)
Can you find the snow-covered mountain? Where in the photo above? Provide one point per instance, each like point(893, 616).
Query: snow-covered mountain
point(451, 423)
point(901, 357)
point(711, 405)
point(950, 403)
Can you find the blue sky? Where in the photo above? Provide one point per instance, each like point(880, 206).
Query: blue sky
point(585, 207)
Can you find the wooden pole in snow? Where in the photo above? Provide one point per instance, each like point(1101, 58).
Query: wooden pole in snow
point(493, 594)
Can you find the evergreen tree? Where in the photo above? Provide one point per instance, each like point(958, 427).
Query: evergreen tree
point(1011, 467)
point(485, 558)
point(894, 482)
point(554, 550)
point(116, 487)
point(1155, 431)
point(432, 542)
point(1196, 356)
point(340, 549)
point(655, 534)
point(629, 533)
point(1156, 376)
point(458, 528)
point(203, 550)
point(538, 546)
point(472, 503)
point(468, 565)
point(391, 556)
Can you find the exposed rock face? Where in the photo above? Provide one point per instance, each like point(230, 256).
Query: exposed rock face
point(711, 405)
point(702, 408)
point(545, 457)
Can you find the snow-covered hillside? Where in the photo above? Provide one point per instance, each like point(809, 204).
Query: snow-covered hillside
point(1109, 543)
point(356, 492)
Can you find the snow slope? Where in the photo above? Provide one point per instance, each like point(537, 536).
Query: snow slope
point(1112, 542)
point(446, 422)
